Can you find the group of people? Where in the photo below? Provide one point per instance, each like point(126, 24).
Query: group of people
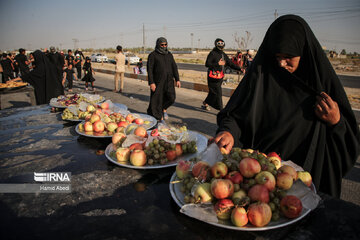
point(290, 100)
point(48, 71)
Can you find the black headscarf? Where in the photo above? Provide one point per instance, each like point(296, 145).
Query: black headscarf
point(273, 110)
point(44, 79)
point(219, 48)
point(160, 49)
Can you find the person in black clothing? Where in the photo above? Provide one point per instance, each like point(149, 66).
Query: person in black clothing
point(78, 61)
point(69, 74)
point(292, 102)
point(140, 65)
point(43, 79)
point(216, 62)
point(162, 71)
point(69, 59)
point(88, 72)
point(57, 60)
point(7, 66)
point(22, 62)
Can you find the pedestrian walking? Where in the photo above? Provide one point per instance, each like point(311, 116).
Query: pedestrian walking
point(163, 75)
point(88, 74)
point(119, 69)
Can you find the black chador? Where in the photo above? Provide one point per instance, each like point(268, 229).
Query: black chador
point(215, 74)
point(273, 109)
point(162, 71)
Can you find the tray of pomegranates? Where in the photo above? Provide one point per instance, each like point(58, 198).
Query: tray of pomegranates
point(244, 191)
point(102, 125)
point(153, 152)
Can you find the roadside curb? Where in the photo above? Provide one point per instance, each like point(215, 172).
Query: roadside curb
point(227, 92)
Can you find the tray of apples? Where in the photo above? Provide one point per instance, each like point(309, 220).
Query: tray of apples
point(102, 123)
point(63, 101)
point(247, 190)
point(141, 149)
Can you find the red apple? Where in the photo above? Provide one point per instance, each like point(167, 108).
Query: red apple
point(123, 124)
point(182, 169)
point(111, 126)
point(305, 177)
point(259, 192)
point(284, 180)
point(239, 217)
point(222, 188)
point(140, 131)
point(259, 214)
point(155, 132)
point(291, 206)
point(138, 158)
point(200, 170)
point(139, 121)
point(118, 137)
point(235, 177)
point(122, 154)
point(130, 118)
point(248, 167)
point(219, 170)
point(98, 111)
point(171, 155)
point(104, 105)
point(267, 179)
point(274, 158)
point(99, 126)
point(95, 117)
point(178, 149)
point(136, 146)
point(223, 208)
point(203, 193)
point(290, 170)
point(88, 127)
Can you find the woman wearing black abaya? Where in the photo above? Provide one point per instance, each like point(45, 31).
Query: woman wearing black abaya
point(44, 79)
point(162, 71)
point(215, 62)
point(292, 102)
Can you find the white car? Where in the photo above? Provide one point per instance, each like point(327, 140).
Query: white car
point(131, 58)
point(98, 57)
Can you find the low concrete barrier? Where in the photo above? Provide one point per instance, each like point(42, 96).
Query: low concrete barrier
point(227, 92)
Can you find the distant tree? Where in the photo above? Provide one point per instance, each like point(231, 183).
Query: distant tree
point(243, 42)
point(343, 52)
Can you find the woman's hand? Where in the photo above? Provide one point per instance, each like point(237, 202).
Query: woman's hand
point(224, 139)
point(178, 84)
point(221, 62)
point(153, 87)
point(327, 109)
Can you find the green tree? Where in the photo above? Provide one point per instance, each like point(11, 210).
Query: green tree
point(343, 52)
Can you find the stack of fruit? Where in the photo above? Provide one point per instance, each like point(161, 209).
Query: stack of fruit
point(244, 187)
point(148, 150)
point(103, 122)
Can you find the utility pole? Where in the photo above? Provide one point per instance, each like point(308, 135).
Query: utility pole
point(192, 40)
point(276, 14)
point(143, 38)
point(164, 28)
point(198, 44)
point(76, 41)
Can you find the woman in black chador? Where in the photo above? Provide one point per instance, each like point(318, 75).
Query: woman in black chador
point(44, 79)
point(292, 102)
point(88, 74)
point(215, 62)
point(162, 76)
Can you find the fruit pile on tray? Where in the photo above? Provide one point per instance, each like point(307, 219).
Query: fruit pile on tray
point(246, 188)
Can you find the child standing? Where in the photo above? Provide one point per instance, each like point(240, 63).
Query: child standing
point(88, 71)
point(69, 73)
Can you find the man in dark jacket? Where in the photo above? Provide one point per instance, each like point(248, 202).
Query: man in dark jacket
point(162, 71)
point(8, 68)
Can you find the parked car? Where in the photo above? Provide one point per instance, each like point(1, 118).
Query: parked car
point(131, 58)
point(98, 57)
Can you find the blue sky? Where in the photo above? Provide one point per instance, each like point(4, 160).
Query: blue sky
point(99, 24)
